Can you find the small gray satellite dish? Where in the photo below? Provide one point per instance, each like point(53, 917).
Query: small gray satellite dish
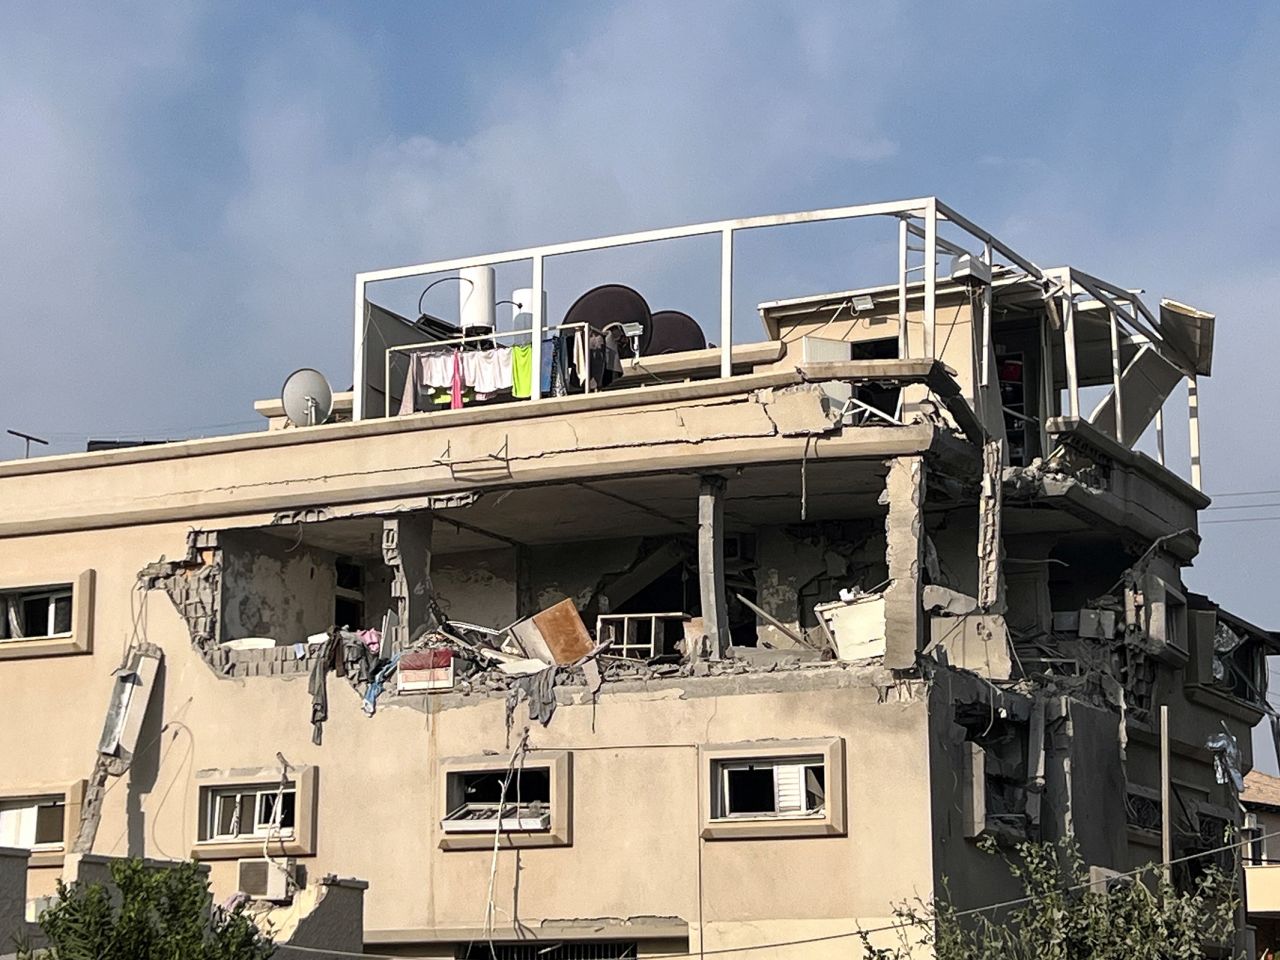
point(307, 397)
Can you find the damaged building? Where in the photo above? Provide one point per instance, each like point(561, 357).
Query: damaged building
point(576, 634)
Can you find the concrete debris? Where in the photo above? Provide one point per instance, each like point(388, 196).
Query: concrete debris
point(944, 600)
point(855, 628)
point(193, 586)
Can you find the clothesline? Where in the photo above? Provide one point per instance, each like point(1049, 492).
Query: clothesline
point(448, 374)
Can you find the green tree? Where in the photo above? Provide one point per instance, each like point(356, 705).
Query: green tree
point(157, 915)
point(1061, 916)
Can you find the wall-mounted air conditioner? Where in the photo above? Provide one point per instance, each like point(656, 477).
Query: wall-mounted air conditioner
point(265, 879)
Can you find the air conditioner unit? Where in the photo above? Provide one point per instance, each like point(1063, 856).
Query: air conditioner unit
point(971, 270)
point(265, 879)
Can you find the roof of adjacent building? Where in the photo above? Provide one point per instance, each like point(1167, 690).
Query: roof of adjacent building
point(1261, 789)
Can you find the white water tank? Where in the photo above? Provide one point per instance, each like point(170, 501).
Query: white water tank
point(475, 297)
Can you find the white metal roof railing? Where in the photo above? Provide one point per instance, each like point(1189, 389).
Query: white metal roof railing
point(928, 210)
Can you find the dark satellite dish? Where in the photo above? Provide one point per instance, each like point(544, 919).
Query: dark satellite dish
point(609, 304)
point(674, 332)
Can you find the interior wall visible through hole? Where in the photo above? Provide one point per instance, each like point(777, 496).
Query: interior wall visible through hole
point(277, 585)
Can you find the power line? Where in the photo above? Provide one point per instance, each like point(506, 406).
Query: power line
point(1241, 520)
point(826, 938)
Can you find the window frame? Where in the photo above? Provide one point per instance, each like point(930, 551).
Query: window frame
point(260, 782)
point(78, 639)
point(721, 787)
point(71, 796)
point(715, 759)
point(261, 828)
point(559, 829)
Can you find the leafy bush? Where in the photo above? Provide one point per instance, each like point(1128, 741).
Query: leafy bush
point(1062, 917)
point(158, 915)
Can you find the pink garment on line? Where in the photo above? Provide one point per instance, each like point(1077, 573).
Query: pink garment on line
point(455, 394)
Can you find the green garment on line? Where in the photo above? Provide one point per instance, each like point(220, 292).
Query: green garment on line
point(522, 370)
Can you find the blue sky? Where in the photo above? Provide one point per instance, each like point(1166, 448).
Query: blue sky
point(188, 188)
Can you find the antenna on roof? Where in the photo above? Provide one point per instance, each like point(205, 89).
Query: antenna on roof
point(28, 438)
point(307, 397)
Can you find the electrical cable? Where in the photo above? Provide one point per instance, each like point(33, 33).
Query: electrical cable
point(1240, 520)
point(422, 296)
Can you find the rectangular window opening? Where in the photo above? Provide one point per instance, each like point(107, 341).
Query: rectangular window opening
point(477, 802)
point(249, 813)
point(765, 788)
point(36, 823)
point(36, 613)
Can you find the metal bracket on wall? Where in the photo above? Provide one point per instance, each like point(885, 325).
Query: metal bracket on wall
point(501, 456)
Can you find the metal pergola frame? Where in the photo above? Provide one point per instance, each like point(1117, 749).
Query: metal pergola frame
point(929, 210)
point(918, 219)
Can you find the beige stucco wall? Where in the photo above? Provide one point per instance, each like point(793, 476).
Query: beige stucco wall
point(636, 848)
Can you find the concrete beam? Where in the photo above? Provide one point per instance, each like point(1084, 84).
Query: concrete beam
point(904, 493)
point(715, 606)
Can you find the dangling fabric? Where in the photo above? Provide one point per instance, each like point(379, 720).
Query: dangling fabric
point(559, 373)
point(548, 365)
point(455, 391)
point(522, 371)
point(409, 395)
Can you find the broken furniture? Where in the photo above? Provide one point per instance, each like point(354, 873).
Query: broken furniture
point(420, 670)
point(555, 635)
point(854, 628)
point(640, 636)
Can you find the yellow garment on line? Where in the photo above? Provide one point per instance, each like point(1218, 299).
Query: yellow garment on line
point(522, 370)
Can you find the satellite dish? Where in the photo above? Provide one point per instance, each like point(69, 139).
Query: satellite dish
point(674, 332)
point(307, 397)
point(610, 304)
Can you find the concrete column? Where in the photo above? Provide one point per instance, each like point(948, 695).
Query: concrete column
point(406, 548)
point(905, 547)
point(13, 893)
point(715, 606)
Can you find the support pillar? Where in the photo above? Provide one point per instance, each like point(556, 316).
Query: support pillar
point(1193, 430)
point(406, 549)
point(715, 606)
point(905, 550)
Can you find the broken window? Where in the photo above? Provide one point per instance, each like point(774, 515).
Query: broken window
point(1143, 811)
point(35, 613)
point(1239, 664)
point(1004, 745)
point(33, 823)
point(1165, 611)
point(249, 813)
point(1210, 846)
point(477, 801)
point(770, 787)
